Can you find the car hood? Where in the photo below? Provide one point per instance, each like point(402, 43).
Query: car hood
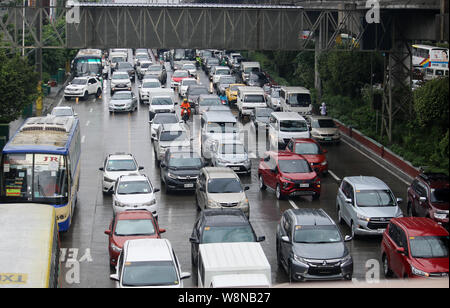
point(315, 158)
point(320, 251)
point(135, 198)
point(75, 87)
point(325, 131)
point(120, 101)
point(300, 176)
point(161, 107)
point(432, 265)
point(233, 157)
point(114, 175)
point(227, 198)
point(175, 144)
point(264, 120)
point(375, 212)
point(119, 81)
point(119, 241)
point(185, 172)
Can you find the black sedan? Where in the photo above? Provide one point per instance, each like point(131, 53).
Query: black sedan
point(221, 226)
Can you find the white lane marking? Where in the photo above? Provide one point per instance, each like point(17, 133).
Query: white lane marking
point(334, 175)
point(88, 122)
point(60, 101)
point(293, 204)
point(391, 172)
point(92, 109)
point(83, 139)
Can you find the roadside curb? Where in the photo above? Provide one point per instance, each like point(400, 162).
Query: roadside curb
point(376, 151)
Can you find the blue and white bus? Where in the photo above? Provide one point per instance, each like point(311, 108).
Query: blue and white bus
point(41, 164)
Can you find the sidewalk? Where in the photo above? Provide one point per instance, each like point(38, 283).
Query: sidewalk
point(49, 102)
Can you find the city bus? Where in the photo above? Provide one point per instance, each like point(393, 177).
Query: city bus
point(41, 164)
point(29, 249)
point(425, 56)
point(88, 62)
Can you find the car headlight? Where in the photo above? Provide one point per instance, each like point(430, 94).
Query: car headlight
point(440, 215)
point(119, 204)
point(362, 217)
point(152, 202)
point(399, 213)
point(115, 248)
point(300, 260)
point(243, 202)
point(172, 176)
point(324, 163)
point(346, 259)
point(109, 180)
point(212, 204)
point(419, 272)
point(222, 161)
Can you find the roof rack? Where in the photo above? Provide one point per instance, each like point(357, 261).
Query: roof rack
point(434, 176)
point(48, 123)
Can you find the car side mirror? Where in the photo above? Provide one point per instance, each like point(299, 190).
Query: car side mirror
point(400, 250)
point(423, 199)
point(163, 165)
point(399, 200)
point(155, 190)
point(202, 189)
point(348, 200)
point(246, 188)
point(261, 238)
point(101, 169)
point(274, 170)
point(348, 238)
point(193, 240)
point(141, 168)
point(114, 277)
point(107, 232)
point(285, 239)
point(162, 230)
point(185, 275)
point(325, 151)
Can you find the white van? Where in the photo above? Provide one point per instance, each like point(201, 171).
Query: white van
point(247, 68)
point(283, 126)
point(250, 98)
point(217, 126)
point(233, 265)
point(161, 100)
point(297, 99)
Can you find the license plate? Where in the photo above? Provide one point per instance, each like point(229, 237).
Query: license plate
point(381, 230)
point(235, 168)
point(328, 139)
point(304, 185)
point(188, 185)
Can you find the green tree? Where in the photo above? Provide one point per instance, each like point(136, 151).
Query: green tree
point(18, 86)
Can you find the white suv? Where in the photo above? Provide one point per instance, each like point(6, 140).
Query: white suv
point(116, 165)
point(83, 87)
point(134, 192)
point(120, 81)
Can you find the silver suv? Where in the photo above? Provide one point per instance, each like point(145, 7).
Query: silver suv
point(220, 188)
point(366, 204)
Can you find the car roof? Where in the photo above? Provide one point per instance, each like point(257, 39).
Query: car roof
point(295, 89)
point(311, 217)
point(134, 214)
point(177, 152)
point(420, 226)
point(148, 250)
point(120, 156)
point(366, 182)
point(189, 79)
point(284, 155)
point(287, 116)
point(220, 172)
point(221, 217)
point(133, 177)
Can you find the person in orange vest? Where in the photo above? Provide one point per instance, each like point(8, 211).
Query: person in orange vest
point(185, 110)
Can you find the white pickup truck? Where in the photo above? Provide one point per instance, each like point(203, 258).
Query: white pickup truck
point(82, 87)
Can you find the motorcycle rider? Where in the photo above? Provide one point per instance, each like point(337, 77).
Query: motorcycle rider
point(185, 110)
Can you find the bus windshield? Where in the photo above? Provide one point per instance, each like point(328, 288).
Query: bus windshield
point(85, 67)
point(34, 178)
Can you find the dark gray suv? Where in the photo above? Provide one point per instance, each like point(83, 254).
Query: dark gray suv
point(310, 246)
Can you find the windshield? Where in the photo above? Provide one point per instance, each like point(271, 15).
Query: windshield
point(294, 166)
point(213, 61)
point(230, 234)
point(173, 136)
point(374, 198)
point(134, 227)
point(134, 187)
point(293, 126)
point(251, 69)
point(163, 119)
point(122, 95)
point(124, 65)
point(222, 71)
point(79, 81)
point(87, 67)
point(145, 64)
point(117, 59)
point(151, 84)
point(152, 273)
point(323, 124)
point(158, 101)
point(307, 149)
point(232, 149)
point(227, 80)
point(263, 113)
point(188, 82)
point(185, 162)
point(275, 94)
point(222, 127)
point(179, 74)
point(429, 246)
point(440, 195)
point(189, 67)
point(210, 102)
point(62, 112)
point(299, 100)
point(121, 165)
point(154, 68)
point(254, 98)
point(224, 186)
point(34, 177)
point(317, 234)
point(120, 76)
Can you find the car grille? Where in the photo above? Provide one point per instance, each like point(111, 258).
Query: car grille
point(162, 111)
point(120, 106)
point(378, 223)
point(324, 267)
point(327, 135)
point(229, 204)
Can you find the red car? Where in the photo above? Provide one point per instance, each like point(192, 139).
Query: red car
point(312, 151)
point(428, 196)
point(415, 247)
point(288, 174)
point(177, 77)
point(130, 225)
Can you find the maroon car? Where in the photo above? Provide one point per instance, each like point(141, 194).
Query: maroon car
point(415, 247)
point(428, 196)
point(312, 151)
point(289, 174)
point(129, 225)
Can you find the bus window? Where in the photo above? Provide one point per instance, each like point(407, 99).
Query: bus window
point(50, 176)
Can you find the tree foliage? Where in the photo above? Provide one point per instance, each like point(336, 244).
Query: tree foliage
point(18, 86)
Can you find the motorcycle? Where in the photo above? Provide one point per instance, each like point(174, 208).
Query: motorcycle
point(185, 114)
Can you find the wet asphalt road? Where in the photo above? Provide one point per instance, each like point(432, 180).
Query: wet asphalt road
point(85, 261)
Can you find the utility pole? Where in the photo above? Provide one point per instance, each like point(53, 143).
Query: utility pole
point(38, 54)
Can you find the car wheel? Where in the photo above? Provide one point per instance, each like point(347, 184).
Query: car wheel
point(386, 270)
point(262, 186)
point(278, 193)
point(85, 96)
point(99, 93)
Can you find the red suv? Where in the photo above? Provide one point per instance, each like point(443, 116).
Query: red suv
point(312, 151)
point(289, 174)
point(415, 247)
point(428, 196)
point(130, 225)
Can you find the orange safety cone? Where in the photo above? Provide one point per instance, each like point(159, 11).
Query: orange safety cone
point(76, 100)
